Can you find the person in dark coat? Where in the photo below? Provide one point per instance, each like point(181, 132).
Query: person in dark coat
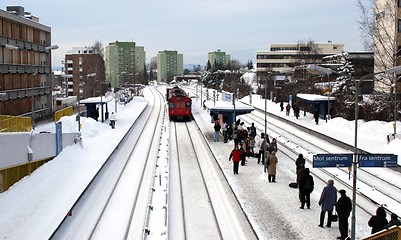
point(343, 208)
point(316, 115)
point(327, 201)
point(393, 222)
point(282, 106)
point(306, 186)
point(300, 160)
point(243, 156)
point(236, 156)
point(296, 111)
point(300, 173)
point(97, 114)
point(217, 128)
point(378, 221)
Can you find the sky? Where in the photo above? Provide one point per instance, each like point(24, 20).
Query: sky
point(196, 27)
point(49, 190)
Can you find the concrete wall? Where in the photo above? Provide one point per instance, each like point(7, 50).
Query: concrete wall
point(14, 147)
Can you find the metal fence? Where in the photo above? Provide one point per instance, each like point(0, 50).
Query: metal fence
point(15, 124)
point(63, 112)
point(390, 234)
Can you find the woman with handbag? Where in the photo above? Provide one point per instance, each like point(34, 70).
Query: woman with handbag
point(327, 200)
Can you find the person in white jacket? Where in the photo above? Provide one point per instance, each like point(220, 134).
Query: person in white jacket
point(113, 120)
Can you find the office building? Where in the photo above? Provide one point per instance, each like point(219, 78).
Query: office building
point(284, 57)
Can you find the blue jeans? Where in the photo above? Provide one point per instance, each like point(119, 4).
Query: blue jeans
point(216, 136)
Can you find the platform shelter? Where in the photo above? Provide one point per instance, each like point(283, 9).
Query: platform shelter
point(97, 104)
point(314, 101)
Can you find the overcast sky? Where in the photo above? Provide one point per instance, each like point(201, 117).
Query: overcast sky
point(196, 27)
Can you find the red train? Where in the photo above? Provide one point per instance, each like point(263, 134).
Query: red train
point(179, 104)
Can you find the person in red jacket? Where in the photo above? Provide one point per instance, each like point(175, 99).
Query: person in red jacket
point(236, 156)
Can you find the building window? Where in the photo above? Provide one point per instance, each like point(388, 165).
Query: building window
point(380, 15)
point(399, 26)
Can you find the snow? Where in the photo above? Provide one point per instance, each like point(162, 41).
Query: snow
point(61, 180)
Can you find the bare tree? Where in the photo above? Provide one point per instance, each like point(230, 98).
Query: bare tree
point(379, 30)
point(98, 48)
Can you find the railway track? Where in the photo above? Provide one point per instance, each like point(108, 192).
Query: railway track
point(204, 192)
point(115, 203)
point(384, 190)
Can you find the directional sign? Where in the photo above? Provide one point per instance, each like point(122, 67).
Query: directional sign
point(378, 160)
point(332, 160)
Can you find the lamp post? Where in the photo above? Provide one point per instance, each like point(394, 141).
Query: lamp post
point(267, 78)
point(394, 70)
point(327, 71)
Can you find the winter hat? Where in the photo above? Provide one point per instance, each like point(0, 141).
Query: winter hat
point(342, 191)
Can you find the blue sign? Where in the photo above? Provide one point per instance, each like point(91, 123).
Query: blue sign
point(332, 160)
point(378, 160)
point(59, 137)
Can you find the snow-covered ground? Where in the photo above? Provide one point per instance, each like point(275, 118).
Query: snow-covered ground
point(66, 175)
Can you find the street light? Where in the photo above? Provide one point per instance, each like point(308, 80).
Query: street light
point(394, 70)
point(327, 71)
point(267, 78)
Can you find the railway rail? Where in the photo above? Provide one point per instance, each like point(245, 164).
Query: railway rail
point(106, 198)
point(204, 191)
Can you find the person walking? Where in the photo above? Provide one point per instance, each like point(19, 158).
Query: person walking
point(378, 221)
point(343, 208)
point(394, 221)
point(236, 156)
point(327, 201)
point(272, 166)
point(113, 120)
point(306, 186)
point(281, 106)
point(217, 128)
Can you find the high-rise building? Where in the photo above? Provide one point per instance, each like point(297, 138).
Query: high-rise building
point(387, 43)
point(218, 58)
point(84, 72)
point(169, 64)
point(25, 64)
point(124, 62)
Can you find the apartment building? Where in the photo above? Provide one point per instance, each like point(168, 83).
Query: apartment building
point(284, 57)
point(25, 64)
point(169, 64)
point(124, 62)
point(387, 43)
point(218, 58)
point(84, 72)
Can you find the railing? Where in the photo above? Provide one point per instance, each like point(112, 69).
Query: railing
point(393, 233)
point(15, 124)
point(63, 112)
